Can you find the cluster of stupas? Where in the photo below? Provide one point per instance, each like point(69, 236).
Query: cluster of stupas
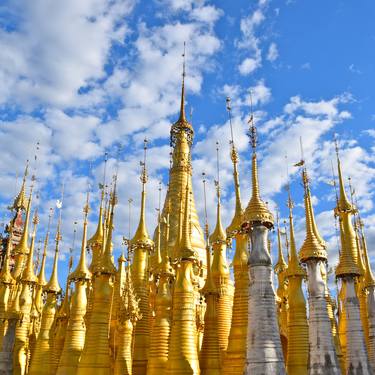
point(171, 307)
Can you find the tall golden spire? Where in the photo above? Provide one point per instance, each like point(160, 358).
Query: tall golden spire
point(141, 237)
point(294, 267)
point(22, 249)
point(53, 285)
point(218, 235)
point(28, 273)
point(20, 202)
point(209, 286)
point(42, 276)
point(312, 247)
point(182, 125)
point(280, 265)
point(106, 263)
point(82, 272)
point(98, 236)
point(348, 257)
point(256, 210)
point(237, 218)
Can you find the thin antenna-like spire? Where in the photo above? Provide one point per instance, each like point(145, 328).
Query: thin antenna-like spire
point(209, 285)
point(41, 276)
point(281, 264)
point(141, 235)
point(82, 272)
point(20, 200)
point(158, 249)
point(218, 234)
point(294, 268)
point(53, 285)
point(235, 225)
point(28, 272)
point(182, 106)
point(343, 202)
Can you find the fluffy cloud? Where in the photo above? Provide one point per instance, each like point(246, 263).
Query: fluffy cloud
point(44, 61)
point(273, 52)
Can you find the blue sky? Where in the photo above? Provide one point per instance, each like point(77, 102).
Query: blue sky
point(83, 77)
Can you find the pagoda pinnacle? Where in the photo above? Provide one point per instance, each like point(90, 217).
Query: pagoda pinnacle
point(42, 276)
point(343, 203)
point(106, 263)
point(313, 246)
point(281, 265)
point(237, 218)
point(349, 254)
point(82, 272)
point(294, 267)
point(23, 247)
point(218, 234)
point(141, 237)
point(28, 273)
point(182, 117)
point(98, 236)
point(257, 210)
point(20, 201)
point(182, 125)
point(53, 285)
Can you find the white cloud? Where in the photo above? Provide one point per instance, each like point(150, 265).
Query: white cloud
point(249, 65)
point(44, 61)
point(273, 52)
point(250, 42)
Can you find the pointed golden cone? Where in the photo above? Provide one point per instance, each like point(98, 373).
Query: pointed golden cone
point(42, 271)
point(313, 247)
point(28, 274)
point(348, 257)
point(96, 241)
point(298, 335)
point(42, 359)
point(180, 174)
point(183, 354)
point(236, 222)
point(22, 249)
point(20, 202)
point(76, 329)
point(257, 211)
